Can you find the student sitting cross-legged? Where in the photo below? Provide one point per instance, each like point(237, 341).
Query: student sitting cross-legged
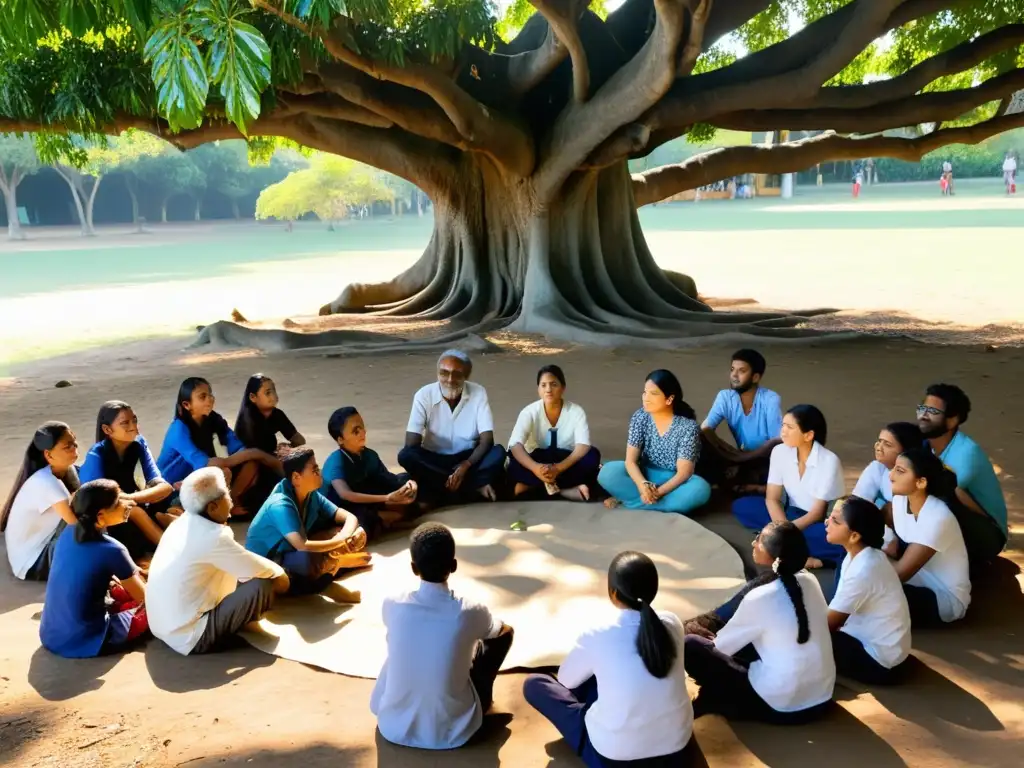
point(868, 615)
point(203, 585)
point(444, 653)
point(298, 528)
point(767, 653)
point(620, 697)
point(89, 567)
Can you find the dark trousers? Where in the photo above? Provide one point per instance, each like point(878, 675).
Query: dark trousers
point(487, 661)
point(583, 472)
point(853, 661)
point(924, 606)
point(983, 538)
point(725, 687)
point(431, 471)
point(713, 466)
point(306, 572)
point(567, 709)
point(245, 605)
point(368, 515)
point(752, 513)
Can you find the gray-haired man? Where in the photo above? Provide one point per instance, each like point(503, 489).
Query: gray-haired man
point(449, 443)
point(194, 597)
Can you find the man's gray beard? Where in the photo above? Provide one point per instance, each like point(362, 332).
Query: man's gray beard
point(451, 393)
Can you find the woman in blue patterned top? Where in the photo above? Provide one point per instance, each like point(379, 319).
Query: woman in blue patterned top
point(661, 454)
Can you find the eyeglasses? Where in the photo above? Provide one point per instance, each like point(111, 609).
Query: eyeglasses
point(927, 410)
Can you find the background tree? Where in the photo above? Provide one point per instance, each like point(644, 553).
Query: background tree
point(522, 141)
point(82, 164)
point(170, 173)
point(18, 159)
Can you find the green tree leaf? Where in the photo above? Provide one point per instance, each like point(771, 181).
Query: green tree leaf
point(179, 72)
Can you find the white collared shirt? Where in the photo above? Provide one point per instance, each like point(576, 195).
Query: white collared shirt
point(822, 479)
point(447, 431)
point(874, 484)
point(636, 715)
point(533, 429)
point(196, 565)
point(789, 676)
point(424, 697)
point(33, 519)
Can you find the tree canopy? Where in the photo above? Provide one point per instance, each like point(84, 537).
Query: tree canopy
point(329, 188)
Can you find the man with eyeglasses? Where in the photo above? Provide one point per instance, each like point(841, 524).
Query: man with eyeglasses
point(981, 510)
point(449, 443)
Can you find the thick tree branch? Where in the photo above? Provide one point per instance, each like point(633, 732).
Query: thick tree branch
point(660, 183)
point(528, 69)
point(563, 17)
point(727, 17)
point(326, 105)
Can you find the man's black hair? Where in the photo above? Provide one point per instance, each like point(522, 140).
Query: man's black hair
point(958, 405)
point(753, 358)
point(433, 552)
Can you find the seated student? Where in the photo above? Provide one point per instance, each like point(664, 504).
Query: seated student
point(449, 443)
point(979, 504)
point(260, 420)
point(621, 692)
point(38, 507)
point(444, 653)
point(356, 479)
point(662, 450)
point(88, 567)
point(874, 484)
point(754, 416)
point(929, 551)
point(200, 437)
point(298, 528)
point(204, 587)
point(550, 445)
point(868, 615)
point(121, 454)
point(811, 477)
point(791, 676)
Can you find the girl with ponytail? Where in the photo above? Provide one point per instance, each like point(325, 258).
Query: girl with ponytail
point(38, 507)
point(621, 692)
point(76, 621)
point(783, 617)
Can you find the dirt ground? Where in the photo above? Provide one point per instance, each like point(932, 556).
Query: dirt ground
point(151, 707)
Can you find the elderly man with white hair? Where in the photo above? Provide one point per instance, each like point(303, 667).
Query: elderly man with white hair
point(203, 586)
point(449, 443)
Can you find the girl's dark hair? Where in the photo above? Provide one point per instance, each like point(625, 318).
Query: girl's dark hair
point(45, 438)
point(863, 517)
point(941, 480)
point(907, 434)
point(554, 370)
point(810, 419)
point(336, 424)
point(91, 499)
point(245, 426)
point(667, 382)
point(108, 414)
point(214, 424)
point(786, 543)
point(634, 579)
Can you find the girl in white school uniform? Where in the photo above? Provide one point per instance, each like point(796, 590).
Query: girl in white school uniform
point(929, 553)
point(620, 696)
point(874, 483)
point(772, 659)
point(868, 616)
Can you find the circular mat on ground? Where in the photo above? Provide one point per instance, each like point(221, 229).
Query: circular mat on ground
point(549, 582)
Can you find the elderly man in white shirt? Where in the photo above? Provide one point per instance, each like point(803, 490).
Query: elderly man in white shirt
point(203, 586)
point(449, 443)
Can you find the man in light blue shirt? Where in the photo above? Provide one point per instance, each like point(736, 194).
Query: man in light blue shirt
point(754, 416)
point(980, 506)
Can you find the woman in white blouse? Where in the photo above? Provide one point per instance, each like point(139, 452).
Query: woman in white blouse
point(810, 476)
point(929, 551)
point(550, 446)
point(621, 692)
point(868, 616)
point(39, 506)
point(874, 484)
point(791, 673)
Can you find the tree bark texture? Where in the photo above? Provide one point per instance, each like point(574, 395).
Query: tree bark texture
point(9, 187)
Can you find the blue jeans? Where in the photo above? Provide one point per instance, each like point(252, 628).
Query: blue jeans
point(752, 513)
point(691, 495)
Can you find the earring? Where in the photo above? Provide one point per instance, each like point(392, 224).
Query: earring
point(775, 565)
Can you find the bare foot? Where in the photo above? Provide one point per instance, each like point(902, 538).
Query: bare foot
point(353, 560)
point(611, 503)
point(520, 489)
point(342, 594)
point(813, 562)
point(488, 493)
point(579, 493)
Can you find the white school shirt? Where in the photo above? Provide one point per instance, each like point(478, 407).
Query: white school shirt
point(789, 676)
point(947, 574)
point(448, 431)
point(874, 483)
point(424, 697)
point(33, 519)
point(870, 592)
point(197, 564)
point(822, 480)
point(533, 429)
point(1009, 165)
point(636, 715)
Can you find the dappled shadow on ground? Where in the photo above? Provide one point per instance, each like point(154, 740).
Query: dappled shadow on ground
point(312, 756)
point(480, 751)
point(18, 730)
point(175, 673)
point(58, 679)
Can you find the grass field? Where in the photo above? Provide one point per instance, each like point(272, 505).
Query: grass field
point(59, 292)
